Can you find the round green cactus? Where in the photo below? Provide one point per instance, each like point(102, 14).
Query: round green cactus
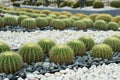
point(49, 19)
point(10, 21)
point(47, 12)
point(46, 45)
point(63, 17)
point(106, 17)
point(41, 22)
point(78, 47)
point(114, 43)
point(98, 4)
point(4, 47)
point(112, 26)
point(75, 18)
point(79, 25)
point(10, 62)
point(28, 23)
point(35, 15)
point(21, 17)
point(57, 24)
point(67, 22)
point(31, 52)
point(88, 41)
point(61, 54)
point(102, 51)
point(101, 25)
point(116, 35)
point(42, 15)
point(53, 16)
point(93, 16)
point(116, 19)
point(1, 22)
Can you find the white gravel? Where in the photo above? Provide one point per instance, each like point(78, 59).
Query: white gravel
point(103, 72)
point(16, 39)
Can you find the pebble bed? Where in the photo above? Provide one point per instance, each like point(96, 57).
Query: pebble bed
point(83, 68)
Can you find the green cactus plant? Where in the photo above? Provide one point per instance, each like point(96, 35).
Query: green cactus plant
point(57, 24)
point(61, 54)
point(35, 15)
point(42, 15)
point(78, 47)
point(49, 19)
point(75, 18)
point(116, 35)
point(10, 62)
point(67, 22)
point(47, 12)
point(116, 19)
point(46, 44)
point(80, 25)
point(28, 23)
point(106, 17)
point(93, 16)
point(112, 26)
point(98, 4)
point(88, 41)
point(1, 22)
point(31, 52)
point(53, 16)
point(41, 22)
point(102, 51)
point(100, 24)
point(113, 42)
point(63, 17)
point(21, 17)
point(10, 21)
point(4, 47)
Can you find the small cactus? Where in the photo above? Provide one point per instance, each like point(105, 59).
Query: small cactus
point(113, 42)
point(21, 17)
point(102, 51)
point(93, 16)
point(10, 21)
point(112, 26)
point(41, 22)
point(4, 47)
point(57, 24)
point(28, 23)
point(1, 22)
point(67, 22)
point(116, 35)
point(61, 54)
point(88, 41)
point(75, 18)
point(42, 15)
point(10, 62)
point(35, 15)
point(101, 25)
point(31, 52)
point(78, 47)
point(46, 45)
point(63, 17)
point(80, 25)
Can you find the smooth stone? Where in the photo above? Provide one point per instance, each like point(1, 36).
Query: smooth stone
point(43, 78)
point(10, 76)
point(30, 76)
point(47, 74)
point(20, 78)
point(29, 69)
point(38, 64)
point(35, 72)
point(3, 75)
point(6, 79)
point(57, 74)
point(46, 65)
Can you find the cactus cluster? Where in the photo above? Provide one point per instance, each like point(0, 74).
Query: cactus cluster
point(78, 47)
point(79, 25)
point(31, 52)
point(116, 19)
point(98, 4)
point(63, 17)
point(28, 23)
point(21, 17)
point(46, 44)
point(113, 42)
point(41, 22)
point(4, 47)
point(100, 24)
point(67, 22)
point(10, 21)
point(57, 24)
point(112, 26)
point(61, 54)
point(102, 51)
point(88, 41)
point(10, 62)
point(93, 16)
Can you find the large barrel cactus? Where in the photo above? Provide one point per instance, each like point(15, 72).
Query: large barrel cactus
point(31, 52)
point(4, 47)
point(28, 23)
point(41, 22)
point(112, 26)
point(57, 24)
point(1, 22)
point(78, 47)
point(10, 62)
point(114, 43)
point(21, 17)
point(88, 41)
point(10, 21)
point(61, 54)
point(80, 25)
point(67, 22)
point(102, 51)
point(100, 25)
point(63, 17)
point(46, 44)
